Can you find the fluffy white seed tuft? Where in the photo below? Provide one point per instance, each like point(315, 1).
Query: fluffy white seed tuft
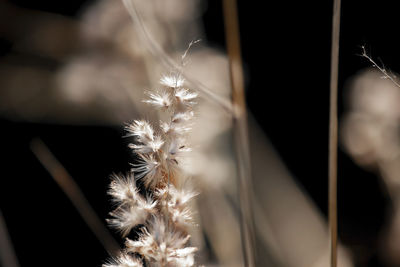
point(148, 147)
point(172, 81)
point(161, 100)
point(142, 130)
point(123, 189)
point(148, 169)
point(124, 260)
point(133, 209)
point(176, 202)
point(161, 245)
point(185, 96)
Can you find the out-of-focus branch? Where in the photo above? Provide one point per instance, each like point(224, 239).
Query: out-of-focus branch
point(72, 190)
point(7, 253)
point(39, 33)
point(240, 128)
point(158, 52)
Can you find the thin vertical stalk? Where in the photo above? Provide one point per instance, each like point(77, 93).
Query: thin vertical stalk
point(72, 190)
point(333, 133)
point(240, 127)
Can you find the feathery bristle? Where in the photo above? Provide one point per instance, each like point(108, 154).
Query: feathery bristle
point(133, 209)
point(124, 260)
point(172, 81)
point(159, 244)
point(161, 100)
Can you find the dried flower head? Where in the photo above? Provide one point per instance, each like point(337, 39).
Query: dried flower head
point(159, 100)
point(164, 214)
point(158, 244)
point(132, 209)
point(172, 81)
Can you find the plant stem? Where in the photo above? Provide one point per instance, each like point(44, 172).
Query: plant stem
point(74, 193)
point(240, 128)
point(333, 132)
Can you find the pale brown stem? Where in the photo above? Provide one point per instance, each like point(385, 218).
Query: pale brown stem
point(72, 190)
point(8, 257)
point(240, 127)
point(333, 133)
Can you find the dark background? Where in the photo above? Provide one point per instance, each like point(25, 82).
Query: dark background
point(286, 50)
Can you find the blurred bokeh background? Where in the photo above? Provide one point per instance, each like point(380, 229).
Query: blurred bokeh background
point(73, 72)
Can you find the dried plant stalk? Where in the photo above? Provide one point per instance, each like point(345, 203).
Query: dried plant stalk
point(8, 257)
point(240, 128)
point(333, 132)
point(157, 210)
point(74, 193)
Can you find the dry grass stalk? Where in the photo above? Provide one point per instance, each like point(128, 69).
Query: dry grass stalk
point(333, 132)
point(8, 257)
point(240, 128)
point(74, 193)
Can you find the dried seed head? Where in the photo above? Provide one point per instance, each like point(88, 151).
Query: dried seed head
point(148, 169)
point(166, 214)
point(133, 209)
point(148, 147)
point(161, 245)
point(123, 189)
point(140, 129)
point(161, 100)
point(172, 81)
point(176, 201)
point(185, 96)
